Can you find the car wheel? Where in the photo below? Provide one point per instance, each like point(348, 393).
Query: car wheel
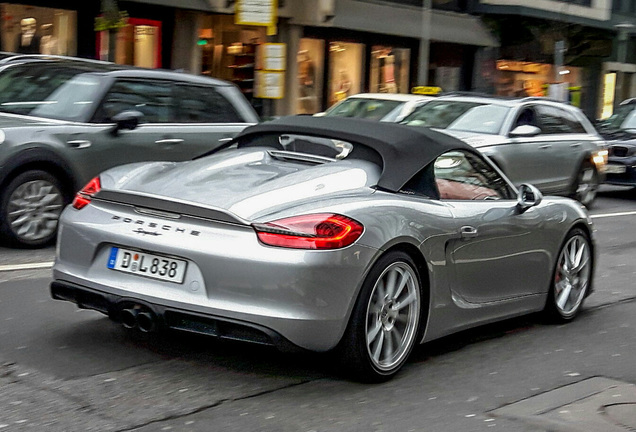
point(586, 186)
point(30, 207)
point(572, 277)
point(385, 323)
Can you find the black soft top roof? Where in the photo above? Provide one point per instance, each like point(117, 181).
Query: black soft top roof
point(404, 150)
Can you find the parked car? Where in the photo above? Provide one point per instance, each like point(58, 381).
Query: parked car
point(620, 132)
point(386, 107)
point(549, 144)
point(63, 121)
point(324, 234)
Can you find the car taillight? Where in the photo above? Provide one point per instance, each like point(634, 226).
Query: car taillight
point(314, 231)
point(83, 197)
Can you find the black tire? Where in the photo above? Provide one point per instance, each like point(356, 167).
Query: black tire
point(586, 185)
point(571, 278)
point(375, 317)
point(30, 207)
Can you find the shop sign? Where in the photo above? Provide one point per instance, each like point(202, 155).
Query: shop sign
point(269, 84)
point(256, 12)
point(271, 56)
point(426, 90)
point(269, 79)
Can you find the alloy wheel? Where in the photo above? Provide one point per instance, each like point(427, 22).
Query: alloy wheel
point(587, 186)
point(572, 275)
point(392, 316)
point(33, 210)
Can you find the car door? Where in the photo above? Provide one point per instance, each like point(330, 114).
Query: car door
point(497, 253)
point(526, 159)
point(558, 171)
point(97, 145)
point(208, 116)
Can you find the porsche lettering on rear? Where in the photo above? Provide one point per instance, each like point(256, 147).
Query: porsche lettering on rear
point(158, 226)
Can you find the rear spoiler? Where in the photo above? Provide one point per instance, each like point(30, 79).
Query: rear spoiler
point(169, 208)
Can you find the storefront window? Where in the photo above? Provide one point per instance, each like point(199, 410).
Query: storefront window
point(521, 79)
point(228, 50)
point(310, 75)
point(345, 74)
point(38, 30)
point(137, 44)
point(389, 70)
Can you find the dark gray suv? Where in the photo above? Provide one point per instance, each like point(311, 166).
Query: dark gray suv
point(64, 121)
point(549, 144)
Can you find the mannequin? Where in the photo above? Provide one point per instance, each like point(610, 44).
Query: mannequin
point(48, 42)
point(28, 41)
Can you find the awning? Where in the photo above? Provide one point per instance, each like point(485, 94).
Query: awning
point(407, 21)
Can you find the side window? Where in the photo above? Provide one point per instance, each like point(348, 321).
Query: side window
point(552, 120)
point(573, 123)
point(464, 176)
point(526, 117)
point(200, 104)
point(152, 98)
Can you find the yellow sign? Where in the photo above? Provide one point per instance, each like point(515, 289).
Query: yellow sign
point(271, 56)
point(269, 84)
point(256, 13)
point(426, 90)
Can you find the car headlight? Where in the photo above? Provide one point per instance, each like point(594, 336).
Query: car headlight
point(600, 158)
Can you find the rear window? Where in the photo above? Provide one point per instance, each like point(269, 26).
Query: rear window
point(459, 115)
point(323, 148)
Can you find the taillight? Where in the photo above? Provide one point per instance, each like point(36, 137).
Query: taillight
point(314, 231)
point(83, 197)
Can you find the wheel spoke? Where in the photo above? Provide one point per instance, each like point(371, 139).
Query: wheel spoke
point(403, 281)
point(564, 296)
point(373, 333)
point(410, 298)
point(387, 350)
point(390, 283)
point(378, 348)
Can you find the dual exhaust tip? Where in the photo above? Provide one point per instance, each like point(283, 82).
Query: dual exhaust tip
point(143, 319)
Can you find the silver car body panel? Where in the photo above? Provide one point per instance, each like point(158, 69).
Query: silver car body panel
point(307, 295)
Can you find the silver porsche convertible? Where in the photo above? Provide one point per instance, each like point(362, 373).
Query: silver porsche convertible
point(323, 234)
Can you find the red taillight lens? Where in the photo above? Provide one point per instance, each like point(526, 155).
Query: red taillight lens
point(315, 231)
point(83, 197)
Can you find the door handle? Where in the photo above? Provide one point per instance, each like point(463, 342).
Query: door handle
point(545, 146)
point(171, 141)
point(224, 140)
point(79, 144)
point(468, 231)
point(575, 145)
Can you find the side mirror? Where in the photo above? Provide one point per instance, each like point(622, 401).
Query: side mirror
point(528, 196)
point(525, 131)
point(126, 120)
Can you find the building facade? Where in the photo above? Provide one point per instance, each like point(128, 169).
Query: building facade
point(335, 48)
point(585, 45)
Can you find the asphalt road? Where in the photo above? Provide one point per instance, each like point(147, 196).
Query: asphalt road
point(62, 369)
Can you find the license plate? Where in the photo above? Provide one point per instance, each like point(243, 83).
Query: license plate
point(146, 264)
point(615, 169)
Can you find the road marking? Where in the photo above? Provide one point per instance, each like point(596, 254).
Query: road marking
point(29, 266)
point(605, 215)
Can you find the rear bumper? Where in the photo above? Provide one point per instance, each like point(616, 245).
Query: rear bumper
point(167, 317)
